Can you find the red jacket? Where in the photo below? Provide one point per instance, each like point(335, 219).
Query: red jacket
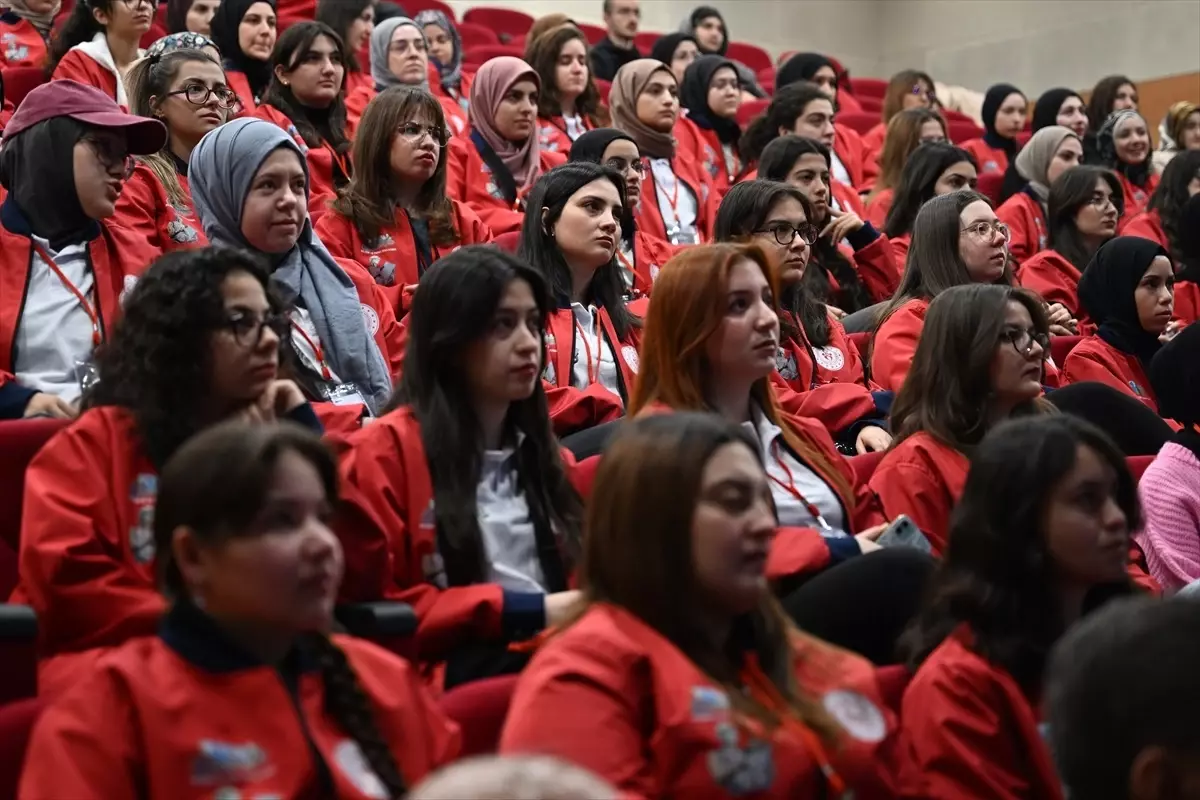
point(990, 159)
point(691, 174)
point(873, 145)
point(240, 84)
point(322, 180)
point(875, 264)
point(648, 720)
point(20, 43)
point(1024, 216)
point(900, 247)
point(1054, 278)
point(144, 209)
point(704, 148)
point(1094, 359)
point(878, 206)
point(1136, 198)
point(850, 150)
point(552, 133)
point(468, 179)
point(385, 523)
point(82, 68)
point(393, 262)
point(358, 98)
point(166, 717)
point(649, 257)
point(922, 478)
point(969, 731)
point(895, 344)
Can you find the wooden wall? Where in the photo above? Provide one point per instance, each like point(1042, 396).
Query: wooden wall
point(1157, 95)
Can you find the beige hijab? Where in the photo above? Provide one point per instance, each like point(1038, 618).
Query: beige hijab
point(1033, 162)
point(628, 84)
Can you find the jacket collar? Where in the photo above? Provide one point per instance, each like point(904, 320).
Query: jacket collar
point(198, 639)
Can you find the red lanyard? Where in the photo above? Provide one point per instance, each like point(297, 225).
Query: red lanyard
point(593, 374)
point(338, 160)
point(790, 487)
point(73, 289)
point(673, 200)
point(766, 693)
point(316, 347)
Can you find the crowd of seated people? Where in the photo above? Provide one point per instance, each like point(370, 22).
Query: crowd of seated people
point(745, 455)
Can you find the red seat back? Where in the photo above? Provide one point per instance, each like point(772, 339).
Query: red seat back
point(868, 87)
point(16, 725)
point(19, 442)
point(594, 33)
point(479, 708)
point(414, 7)
point(474, 36)
point(869, 105)
point(990, 184)
point(1060, 346)
point(1138, 465)
point(506, 22)
point(751, 55)
point(644, 41)
point(750, 109)
point(861, 122)
point(20, 81)
point(508, 242)
point(960, 131)
point(484, 53)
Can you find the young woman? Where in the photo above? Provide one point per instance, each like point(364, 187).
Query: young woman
point(394, 217)
point(819, 366)
point(907, 131)
point(908, 88)
point(64, 263)
point(458, 500)
point(707, 26)
point(445, 53)
point(957, 240)
point(685, 675)
point(307, 98)
point(569, 103)
point(854, 263)
point(245, 32)
point(25, 31)
point(681, 204)
point(400, 57)
point(1123, 145)
point(677, 51)
point(820, 71)
point(1083, 209)
point(709, 132)
point(99, 43)
point(1128, 290)
point(191, 16)
point(185, 89)
point(1004, 108)
point(249, 186)
point(1162, 222)
point(1170, 539)
point(495, 165)
point(979, 361)
point(251, 569)
point(1178, 132)
point(180, 41)
point(934, 169)
point(1041, 534)
point(198, 342)
point(710, 344)
point(1111, 93)
point(1048, 153)
point(570, 236)
point(353, 21)
point(640, 255)
point(1061, 107)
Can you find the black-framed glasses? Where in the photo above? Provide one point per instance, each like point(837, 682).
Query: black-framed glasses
point(414, 132)
point(785, 233)
point(132, 4)
point(197, 94)
point(247, 329)
point(111, 156)
point(1023, 340)
point(984, 230)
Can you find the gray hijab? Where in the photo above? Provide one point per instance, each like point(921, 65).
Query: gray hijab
point(381, 43)
point(222, 167)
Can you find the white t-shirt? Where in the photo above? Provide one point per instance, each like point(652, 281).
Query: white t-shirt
point(575, 126)
point(509, 540)
point(837, 169)
point(793, 513)
point(591, 345)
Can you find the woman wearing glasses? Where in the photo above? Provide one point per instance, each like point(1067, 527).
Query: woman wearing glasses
point(99, 43)
point(185, 89)
point(394, 217)
point(198, 343)
point(979, 362)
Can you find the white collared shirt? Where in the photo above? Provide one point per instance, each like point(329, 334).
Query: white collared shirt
point(509, 539)
point(591, 345)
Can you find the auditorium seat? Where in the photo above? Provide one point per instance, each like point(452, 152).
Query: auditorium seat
point(18, 653)
point(20, 81)
point(860, 122)
point(1138, 465)
point(751, 109)
point(644, 41)
point(19, 442)
point(990, 184)
point(594, 33)
point(960, 131)
point(1060, 346)
point(476, 36)
point(868, 87)
point(479, 708)
point(869, 105)
point(751, 55)
point(603, 87)
point(16, 726)
point(413, 7)
point(508, 23)
point(486, 52)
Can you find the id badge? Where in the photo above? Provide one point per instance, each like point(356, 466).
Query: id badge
point(87, 375)
point(683, 236)
point(345, 394)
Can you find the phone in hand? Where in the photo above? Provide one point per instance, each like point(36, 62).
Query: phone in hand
point(903, 532)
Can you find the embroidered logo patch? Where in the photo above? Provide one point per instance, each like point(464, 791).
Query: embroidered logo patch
point(630, 354)
point(371, 319)
point(785, 365)
point(829, 357)
point(142, 494)
point(127, 287)
point(224, 763)
point(741, 770)
point(353, 764)
point(709, 703)
point(857, 715)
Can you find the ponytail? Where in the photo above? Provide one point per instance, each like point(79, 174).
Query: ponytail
point(81, 26)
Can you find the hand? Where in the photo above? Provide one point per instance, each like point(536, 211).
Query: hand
point(280, 397)
point(561, 606)
point(872, 439)
point(840, 224)
point(44, 404)
point(1060, 330)
point(1058, 314)
point(835, 311)
point(1171, 331)
point(868, 539)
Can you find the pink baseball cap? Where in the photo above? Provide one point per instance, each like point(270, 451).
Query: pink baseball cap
point(89, 105)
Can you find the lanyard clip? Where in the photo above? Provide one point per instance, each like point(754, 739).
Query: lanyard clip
point(823, 524)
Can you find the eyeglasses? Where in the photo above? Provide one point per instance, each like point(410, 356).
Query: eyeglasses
point(1102, 201)
point(785, 233)
point(247, 329)
point(132, 4)
point(984, 231)
point(621, 165)
point(1023, 340)
point(110, 157)
point(197, 94)
point(414, 132)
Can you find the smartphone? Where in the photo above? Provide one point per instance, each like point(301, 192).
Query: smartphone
point(903, 532)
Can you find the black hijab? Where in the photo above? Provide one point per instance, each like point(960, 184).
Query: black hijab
point(1189, 241)
point(1106, 292)
point(1045, 110)
point(37, 169)
point(590, 147)
point(801, 67)
point(693, 95)
point(701, 13)
point(1175, 378)
point(992, 101)
point(225, 24)
point(664, 49)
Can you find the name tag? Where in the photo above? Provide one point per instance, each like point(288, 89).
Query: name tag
point(345, 394)
point(682, 236)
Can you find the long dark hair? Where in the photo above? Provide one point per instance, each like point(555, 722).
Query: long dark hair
point(744, 210)
point(339, 15)
point(538, 247)
point(1104, 94)
point(1069, 193)
point(81, 26)
point(542, 54)
point(998, 575)
point(314, 126)
point(455, 308)
point(1171, 194)
point(918, 183)
point(216, 485)
point(369, 199)
point(775, 163)
point(158, 361)
point(786, 107)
